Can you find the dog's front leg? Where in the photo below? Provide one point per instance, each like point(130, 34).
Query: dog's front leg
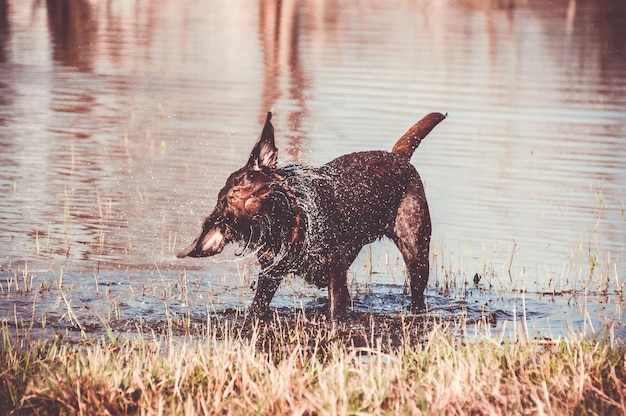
point(338, 295)
point(265, 290)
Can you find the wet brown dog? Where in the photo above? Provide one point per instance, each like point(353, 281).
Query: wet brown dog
point(313, 221)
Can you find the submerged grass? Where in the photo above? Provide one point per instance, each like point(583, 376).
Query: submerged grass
point(309, 366)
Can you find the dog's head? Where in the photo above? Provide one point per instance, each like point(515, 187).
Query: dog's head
point(240, 200)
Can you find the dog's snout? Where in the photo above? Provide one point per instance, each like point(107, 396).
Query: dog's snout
point(234, 193)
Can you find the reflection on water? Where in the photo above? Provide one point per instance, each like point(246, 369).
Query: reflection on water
point(72, 32)
point(119, 122)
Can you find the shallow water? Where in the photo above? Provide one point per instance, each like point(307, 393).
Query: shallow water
point(119, 122)
point(72, 306)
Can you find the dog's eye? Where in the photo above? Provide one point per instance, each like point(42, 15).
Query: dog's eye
point(251, 176)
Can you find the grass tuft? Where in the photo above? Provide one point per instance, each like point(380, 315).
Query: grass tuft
point(310, 366)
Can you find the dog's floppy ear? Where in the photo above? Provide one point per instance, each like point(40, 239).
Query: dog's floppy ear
point(211, 240)
point(264, 153)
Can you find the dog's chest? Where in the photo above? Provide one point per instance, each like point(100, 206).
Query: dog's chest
point(297, 228)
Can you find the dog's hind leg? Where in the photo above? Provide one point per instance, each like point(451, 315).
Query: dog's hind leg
point(411, 233)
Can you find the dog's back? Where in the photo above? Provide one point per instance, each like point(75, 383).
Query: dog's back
point(368, 188)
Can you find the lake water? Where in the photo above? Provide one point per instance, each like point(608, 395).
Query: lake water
point(119, 122)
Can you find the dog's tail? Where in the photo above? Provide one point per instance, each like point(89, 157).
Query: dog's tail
point(412, 138)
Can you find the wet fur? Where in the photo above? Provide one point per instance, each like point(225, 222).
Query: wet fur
point(313, 221)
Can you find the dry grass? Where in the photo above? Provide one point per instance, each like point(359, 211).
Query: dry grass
point(309, 367)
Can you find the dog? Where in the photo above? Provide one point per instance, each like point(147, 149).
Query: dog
point(313, 221)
